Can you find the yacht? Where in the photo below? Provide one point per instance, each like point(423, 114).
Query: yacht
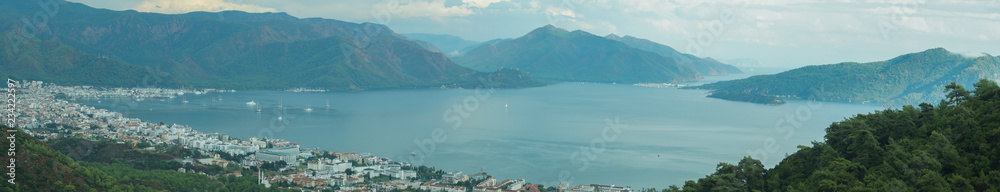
point(251, 103)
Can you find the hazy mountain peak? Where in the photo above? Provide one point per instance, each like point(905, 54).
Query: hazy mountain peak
point(547, 29)
point(613, 37)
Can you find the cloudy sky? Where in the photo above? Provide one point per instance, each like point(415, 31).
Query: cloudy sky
point(777, 33)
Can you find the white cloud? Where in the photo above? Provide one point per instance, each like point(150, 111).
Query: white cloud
point(972, 55)
point(185, 6)
point(432, 9)
point(559, 11)
point(480, 3)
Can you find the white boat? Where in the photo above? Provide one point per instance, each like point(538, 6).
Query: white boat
point(308, 109)
point(279, 105)
point(251, 103)
point(327, 104)
point(258, 109)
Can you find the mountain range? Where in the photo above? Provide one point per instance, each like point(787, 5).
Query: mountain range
point(230, 50)
point(905, 80)
point(557, 54)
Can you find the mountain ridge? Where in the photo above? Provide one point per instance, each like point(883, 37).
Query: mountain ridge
point(223, 50)
point(906, 79)
point(553, 53)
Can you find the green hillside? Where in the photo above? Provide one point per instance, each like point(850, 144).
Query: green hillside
point(106, 166)
point(54, 62)
point(905, 80)
point(951, 146)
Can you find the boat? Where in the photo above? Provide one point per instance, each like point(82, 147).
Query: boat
point(327, 104)
point(279, 105)
point(251, 103)
point(279, 118)
point(308, 109)
point(258, 109)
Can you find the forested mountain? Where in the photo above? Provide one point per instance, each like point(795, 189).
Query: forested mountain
point(951, 146)
point(556, 54)
point(54, 62)
point(907, 79)
point(704, 66)
point(237, 50)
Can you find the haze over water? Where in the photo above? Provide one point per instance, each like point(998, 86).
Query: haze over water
point(669, 135)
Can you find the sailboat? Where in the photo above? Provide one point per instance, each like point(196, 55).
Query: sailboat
point(258, 109)
point(308, 109)
point(328, 104)
point(251, 103)
point(279, 105)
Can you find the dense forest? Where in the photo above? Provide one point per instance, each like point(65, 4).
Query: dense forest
point(107, 166)
point(951, 146)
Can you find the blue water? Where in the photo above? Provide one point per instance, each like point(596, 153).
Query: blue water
point(557, 133)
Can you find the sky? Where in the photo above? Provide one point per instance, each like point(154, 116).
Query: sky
point(775, 33)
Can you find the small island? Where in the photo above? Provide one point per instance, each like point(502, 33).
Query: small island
point(747, 97)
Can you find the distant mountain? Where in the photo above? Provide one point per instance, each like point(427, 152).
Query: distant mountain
point(705, 66)
point(907, 79)
point(743, 62)
point(471, 47)
point(556, 54)
point(448, 44)
point(237, 50)
point(428, 45)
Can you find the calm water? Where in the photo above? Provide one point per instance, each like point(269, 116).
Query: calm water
point(545, 135)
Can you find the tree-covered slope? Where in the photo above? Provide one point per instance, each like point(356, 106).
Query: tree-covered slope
point(54, 62)
point(40, 168)
point(556, 54)
point(907, 79)
point(951, 146)
point(105, 166)
point(704, 66)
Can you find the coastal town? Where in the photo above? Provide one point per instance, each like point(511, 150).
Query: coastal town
point(45, 111)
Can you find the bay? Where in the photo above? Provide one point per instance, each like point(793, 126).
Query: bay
point(559, 133)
